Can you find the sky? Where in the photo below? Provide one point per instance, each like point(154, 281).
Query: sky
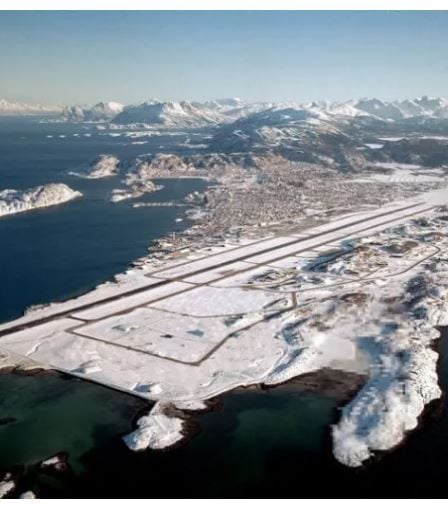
point(83, 57)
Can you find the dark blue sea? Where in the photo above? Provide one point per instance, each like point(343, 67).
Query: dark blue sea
point(59, 252)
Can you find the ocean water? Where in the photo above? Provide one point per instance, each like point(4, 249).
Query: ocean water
point(243, 448)
point(62, 251)
point(50, 412)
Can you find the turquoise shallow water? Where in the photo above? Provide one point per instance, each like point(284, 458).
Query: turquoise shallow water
point(54, 412)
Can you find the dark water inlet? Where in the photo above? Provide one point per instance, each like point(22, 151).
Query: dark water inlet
point(273, 443)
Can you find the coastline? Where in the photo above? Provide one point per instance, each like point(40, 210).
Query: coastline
point(307, 383)
point(189, 429)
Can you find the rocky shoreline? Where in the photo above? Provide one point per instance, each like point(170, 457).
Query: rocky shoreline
point(333, 383)
point(341, 385)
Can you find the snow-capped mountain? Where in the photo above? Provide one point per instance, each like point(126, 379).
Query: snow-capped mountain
point(296, 132)
point(432, 103)
point(229, 103)
point(341, 109)
point(16, 108)
point(286, 114)
point(100, 112)
point(383, 110)
point(171, 114)
point(277, 124)
point(395, 110)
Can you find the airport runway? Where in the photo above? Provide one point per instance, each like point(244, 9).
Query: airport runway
point(183, 277)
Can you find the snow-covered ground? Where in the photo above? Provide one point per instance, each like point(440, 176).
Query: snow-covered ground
point(27, 494)
point(7, 485)
point(362, 293)
point(404, 173)
point(157, 430)
point(105, 165)
point(13, 201)
point(137, 184)
point(136, 189)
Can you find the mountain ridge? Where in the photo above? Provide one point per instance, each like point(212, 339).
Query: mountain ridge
point(172, 114)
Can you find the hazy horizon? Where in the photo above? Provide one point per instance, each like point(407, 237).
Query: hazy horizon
point(84, 57)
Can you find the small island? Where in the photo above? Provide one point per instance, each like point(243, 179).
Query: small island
point(13, 201)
